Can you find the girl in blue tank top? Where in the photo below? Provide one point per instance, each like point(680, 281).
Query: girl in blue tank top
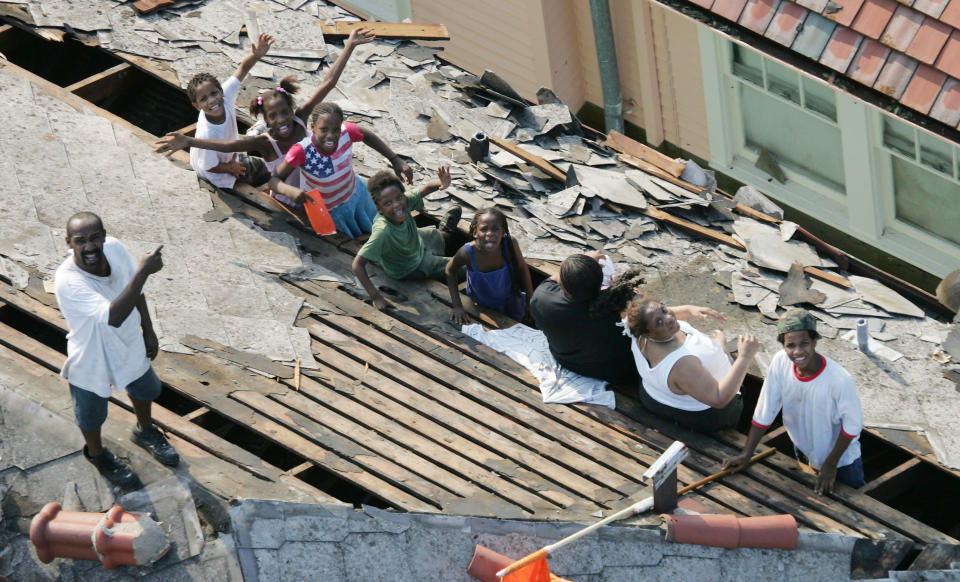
point(497, 275)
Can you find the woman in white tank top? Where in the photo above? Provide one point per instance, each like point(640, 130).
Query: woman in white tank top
point(686, 376)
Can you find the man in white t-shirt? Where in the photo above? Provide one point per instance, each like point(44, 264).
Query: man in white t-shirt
point(218, 120)
point(100, 292)
point(821, 409)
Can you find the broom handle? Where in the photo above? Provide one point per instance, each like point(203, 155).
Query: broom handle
point(638, 507)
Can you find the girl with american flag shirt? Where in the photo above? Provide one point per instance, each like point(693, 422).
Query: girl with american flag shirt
point(325, 159)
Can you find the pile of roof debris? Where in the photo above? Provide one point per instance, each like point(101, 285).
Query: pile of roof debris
point(564, 187)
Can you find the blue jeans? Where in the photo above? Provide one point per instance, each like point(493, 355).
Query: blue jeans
point(355, 216)
point(90, 409)
point(852, 474)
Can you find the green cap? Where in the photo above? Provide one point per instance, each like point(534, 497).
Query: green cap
point(796, 320)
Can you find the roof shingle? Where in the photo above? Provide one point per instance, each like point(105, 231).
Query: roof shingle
point(949, 61)
point(928, 42)
point(923, 89)
point(947, 106)
point(848, 11)
point(902, 28)
point(729, 9)
point(873, 17)
point(841, 49)
point(757, 14)
point(895, 75)
point(786, 23)
point(932, 8)
point(814, 36)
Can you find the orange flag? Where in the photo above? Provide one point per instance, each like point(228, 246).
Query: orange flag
point(535, 572)
point(317, 212)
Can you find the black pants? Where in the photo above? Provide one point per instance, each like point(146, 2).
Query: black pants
point(708, 420)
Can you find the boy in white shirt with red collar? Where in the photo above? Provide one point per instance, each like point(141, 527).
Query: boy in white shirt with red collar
point(821, 409)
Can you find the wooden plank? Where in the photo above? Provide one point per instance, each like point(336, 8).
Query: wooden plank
point(31, 348)
point(290, 410)
point(148, 6)
point(104, 84)
point(531, 158)
point(23, 302)
point(182, 373)
point(828, 277)
point(395, 30)
point(936, 557)
point(5, 27)
point(893, 482)
point(415, 431)
point(189, 130)
point(714, 235)
point(631, 147)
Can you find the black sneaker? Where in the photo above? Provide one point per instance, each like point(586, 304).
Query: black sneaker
point(450, 220)
point(113, 469)
point(153, 441)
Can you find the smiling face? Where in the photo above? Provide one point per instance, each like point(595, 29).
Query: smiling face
point(85, 237)
point(326, 133)
point(392, 204)
point(279, 117)
point(210, 101)
point(801, 348)
point(661, 323)
point(488, 232)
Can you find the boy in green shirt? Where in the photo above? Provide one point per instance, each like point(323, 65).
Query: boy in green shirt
point(403, 250)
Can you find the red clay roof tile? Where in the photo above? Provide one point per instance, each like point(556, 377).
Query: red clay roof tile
point(895, 75)
point(932, 8)
point(867, 63)
point(757, 14)
point(846, 14)
point(947, 106)
point(951, 14)
point(785, 24)
point(841, 49)
point(929, 41)
point(704, 3)
point(729, 9)
point(902, 28)
point(873, 17)
point(923, 89)
point(949, 61)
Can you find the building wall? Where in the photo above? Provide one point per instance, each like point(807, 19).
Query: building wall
point(386, 10)
point(550, 43)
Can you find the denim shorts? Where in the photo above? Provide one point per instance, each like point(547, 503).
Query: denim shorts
point(91, 409)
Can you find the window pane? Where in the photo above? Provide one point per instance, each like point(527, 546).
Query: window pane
point(936, 153)
point(926, 200)
point(783, 81)
point(820, 98)
point(746, 64)
point(800, 141)
point(899, 137)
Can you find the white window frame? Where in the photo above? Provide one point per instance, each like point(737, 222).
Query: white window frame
point(868, 210)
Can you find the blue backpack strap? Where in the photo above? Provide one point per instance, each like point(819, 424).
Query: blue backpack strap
point(473, 260)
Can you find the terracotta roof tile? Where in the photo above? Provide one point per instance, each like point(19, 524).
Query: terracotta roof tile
point(895, 75)
point(814, 5)
point(841, 49)
point(866, 65)
point(951, 15)
point(929, 40)
point(873, 17)
point(949, 61)
point(923, 89)
point(947, 106)
point(814, 36)
point(729, 9)
point(757, 14)
point(902, 28)
point(846, 14)
point(786, 22)
point(704, 3)
point(906, 2)
point(932, 8)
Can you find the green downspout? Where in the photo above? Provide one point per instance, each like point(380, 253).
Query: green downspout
point(607, 57)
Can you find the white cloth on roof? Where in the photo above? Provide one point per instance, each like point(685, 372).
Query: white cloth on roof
point(656, 380)
point(815, 409)
point(202, 160)
point(99, 355)
point(529, 348)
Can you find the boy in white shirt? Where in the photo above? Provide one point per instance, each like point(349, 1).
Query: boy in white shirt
point(821, 409)
point(218, 120)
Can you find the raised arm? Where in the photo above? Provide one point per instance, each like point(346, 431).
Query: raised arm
point(685, 312)
point(256, 53)
point(357, 36)
point(441, 183)
point(690, 377)
point(124, 304)
point(400, 167)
